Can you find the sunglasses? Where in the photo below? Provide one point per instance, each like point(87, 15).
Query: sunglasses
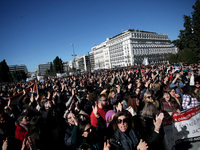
point(122, 120)
point(149, 97)
point(88, 130)
point(104, 100)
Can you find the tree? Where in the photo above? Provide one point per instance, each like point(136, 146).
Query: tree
point(173, 58)
point(185, 36)
point(4, 71)
point(58, 65)
point(196, 27)
point(189, 38)
point(18, 75)
point(51, 69)
point(47, 73)
point(187, 56)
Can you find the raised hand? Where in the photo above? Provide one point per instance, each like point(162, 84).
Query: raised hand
point(158, 121)
point(142, 145)
point(9, 102)
point(74, 118)
point(95, 109)
point(106, 145)
point(119, 107)
point(28, 144)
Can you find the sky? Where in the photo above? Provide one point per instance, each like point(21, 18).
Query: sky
point(34, 32)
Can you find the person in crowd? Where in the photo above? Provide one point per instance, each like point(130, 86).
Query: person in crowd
point(113, 96)
point(124, 137)
point(149, 126)
point(149, 98)
point(168, 104)
point(191, 98)
point(84, 132)
point(175, 96)
point(78, 93)
point(22, 126)
point(178, 83)
point(109, 117)
point(133, 105)
point(101, 103)
point(7, 129)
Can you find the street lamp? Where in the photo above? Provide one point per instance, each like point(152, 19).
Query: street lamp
point(74, 56)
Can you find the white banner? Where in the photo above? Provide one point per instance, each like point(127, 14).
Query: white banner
point(184, 126)
point(40, 78)
point(61, 75)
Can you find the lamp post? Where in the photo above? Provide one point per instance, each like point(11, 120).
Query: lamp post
point(74, 56)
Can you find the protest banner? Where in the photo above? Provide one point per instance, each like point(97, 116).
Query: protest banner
point(14, 99)
point(183, 127)
point(59, 75)
point(40, 78)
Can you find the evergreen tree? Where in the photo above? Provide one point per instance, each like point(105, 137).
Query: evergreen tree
point(58, 65)
point(173, 58)
point(196, 27)
point(187, 56)
point(51, 69)
point(189, 38)
point(47, 73)
point(4, 71)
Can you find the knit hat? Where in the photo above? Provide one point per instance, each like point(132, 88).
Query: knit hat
point(109, 116)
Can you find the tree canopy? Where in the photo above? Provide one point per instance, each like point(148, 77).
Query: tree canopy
point(189, 39)
point(58, 65)
point(4, 71)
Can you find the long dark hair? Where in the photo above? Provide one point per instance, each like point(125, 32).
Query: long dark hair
point(82, 126)
point(132, 102)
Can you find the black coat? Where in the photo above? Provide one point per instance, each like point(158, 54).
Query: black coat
point(145, 130)
point(124, 141)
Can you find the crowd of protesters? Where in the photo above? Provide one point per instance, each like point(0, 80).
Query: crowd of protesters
point(121, 108)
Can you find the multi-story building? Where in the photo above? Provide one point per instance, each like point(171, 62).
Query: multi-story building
point(66, 67)
point(13, 68)
point(99, 56)
point(41, 70)
point(79, 63)
point(130, 48)
point(91, 60)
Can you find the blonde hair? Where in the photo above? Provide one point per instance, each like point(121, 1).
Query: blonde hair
point(149, 110)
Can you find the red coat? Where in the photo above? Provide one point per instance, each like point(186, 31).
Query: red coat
point(20, 132)
point(93, 119)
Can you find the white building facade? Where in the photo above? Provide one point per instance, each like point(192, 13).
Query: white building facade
point(79, 63)
point(130, 48)
point(99, 56)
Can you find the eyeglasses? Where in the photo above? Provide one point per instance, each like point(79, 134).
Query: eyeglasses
point(104, 100)
point(88, 130)
point(122, 120)
point(149, 97)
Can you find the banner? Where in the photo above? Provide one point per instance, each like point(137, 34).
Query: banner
point(182, 127)
point(59, 75)
point(14, 99)
point(40, 78)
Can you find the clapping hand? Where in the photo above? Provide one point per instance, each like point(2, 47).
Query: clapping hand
point(158, 121)
point(106, 145)
point(142, 145)
point(95, 109)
